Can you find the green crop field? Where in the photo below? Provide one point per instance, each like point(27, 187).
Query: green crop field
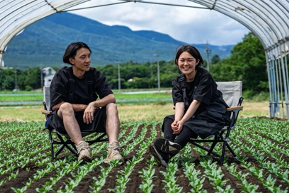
point(261, 145)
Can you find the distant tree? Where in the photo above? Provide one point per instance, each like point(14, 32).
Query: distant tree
point(215, 59)
point(8, 83)
point(30, 77)
point(7, 78)
point(56, 68)
point(246, 63)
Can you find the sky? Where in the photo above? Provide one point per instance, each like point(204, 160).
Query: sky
point(189, 25)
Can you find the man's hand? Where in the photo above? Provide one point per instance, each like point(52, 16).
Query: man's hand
point(88, 114)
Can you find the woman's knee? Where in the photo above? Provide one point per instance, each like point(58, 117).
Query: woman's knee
point(168, 119)
point(187, 131)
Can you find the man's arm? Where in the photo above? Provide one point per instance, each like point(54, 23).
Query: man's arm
point(76, 107)
point(98, 103)
point(91, 107)
point(104, 101)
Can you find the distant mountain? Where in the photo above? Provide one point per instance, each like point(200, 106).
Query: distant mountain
point(43, 43)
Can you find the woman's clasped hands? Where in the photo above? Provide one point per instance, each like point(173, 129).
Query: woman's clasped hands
point(177, 126)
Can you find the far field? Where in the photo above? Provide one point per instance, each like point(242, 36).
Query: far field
point(131, 106)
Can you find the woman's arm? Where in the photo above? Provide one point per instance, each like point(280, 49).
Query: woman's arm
point(190, 112)
point(179, 110)
point(179, 113)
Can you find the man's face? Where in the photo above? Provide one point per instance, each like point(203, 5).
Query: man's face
point(82, 59)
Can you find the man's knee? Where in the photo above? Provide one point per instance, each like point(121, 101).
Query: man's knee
point(66, 109)
point(111, 108)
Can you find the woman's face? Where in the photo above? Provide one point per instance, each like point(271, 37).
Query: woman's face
point(187, 64)
point(81, 61)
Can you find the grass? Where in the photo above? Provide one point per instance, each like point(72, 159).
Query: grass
point(38, 96)
point(137, 106)
point(127, 112)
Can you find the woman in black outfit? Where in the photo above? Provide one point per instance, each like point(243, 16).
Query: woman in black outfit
point(199, 107)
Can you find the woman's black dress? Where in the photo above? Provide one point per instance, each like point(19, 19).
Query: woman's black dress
point(211, 116)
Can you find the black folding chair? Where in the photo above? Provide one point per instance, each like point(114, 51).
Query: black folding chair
point(63, 140)
point(230, 90)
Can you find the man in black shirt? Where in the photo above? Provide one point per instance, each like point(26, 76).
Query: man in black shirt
point(73, 92)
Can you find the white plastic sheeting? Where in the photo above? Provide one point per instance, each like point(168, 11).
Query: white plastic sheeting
point(267, 19)
point(15, 15)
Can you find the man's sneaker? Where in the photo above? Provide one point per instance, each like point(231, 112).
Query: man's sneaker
point(166, 146)
point(162, 158)
point(113, 152)
point(83, 151)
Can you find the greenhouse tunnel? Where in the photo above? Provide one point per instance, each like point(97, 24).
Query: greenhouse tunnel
point(267, 19)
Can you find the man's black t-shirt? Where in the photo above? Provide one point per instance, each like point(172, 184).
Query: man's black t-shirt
point(68, 88)
point(84, 90)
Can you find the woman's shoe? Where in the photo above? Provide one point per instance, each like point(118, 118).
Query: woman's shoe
point(161, 158)
point(166, 146)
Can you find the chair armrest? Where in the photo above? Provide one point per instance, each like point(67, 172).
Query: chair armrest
point(46, 112)
point(235, 108)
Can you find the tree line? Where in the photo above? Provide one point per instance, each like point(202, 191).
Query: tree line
point(246, 63)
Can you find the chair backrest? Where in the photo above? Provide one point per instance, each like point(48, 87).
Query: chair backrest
point(46, 96)
point(232, 91)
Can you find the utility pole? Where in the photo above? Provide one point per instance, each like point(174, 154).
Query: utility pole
point(208, 52)
point(118, 72)
point(158, 67)
point(41, 77)
point(16, 79)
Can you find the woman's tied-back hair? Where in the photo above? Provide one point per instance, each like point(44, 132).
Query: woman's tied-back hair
point(191, 50)
point(71, 50)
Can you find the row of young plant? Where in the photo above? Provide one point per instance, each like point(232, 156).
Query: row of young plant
point(215, 175)
point(124, 175)
point(247, 138)
point(25, 144)
point(271, 161)
point(77, 172)
point(212, 172)
point(15, 143)
point(39, 156)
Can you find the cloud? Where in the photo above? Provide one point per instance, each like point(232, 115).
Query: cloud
point(189, 25)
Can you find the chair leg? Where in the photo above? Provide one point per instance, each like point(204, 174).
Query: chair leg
point(204, 148)
point(231, 150)
point(66, 144)
point(223, 152)
point(62, 143)
point(213, 145)
point(51, 146)
point(72, 150)
point(59, 150)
